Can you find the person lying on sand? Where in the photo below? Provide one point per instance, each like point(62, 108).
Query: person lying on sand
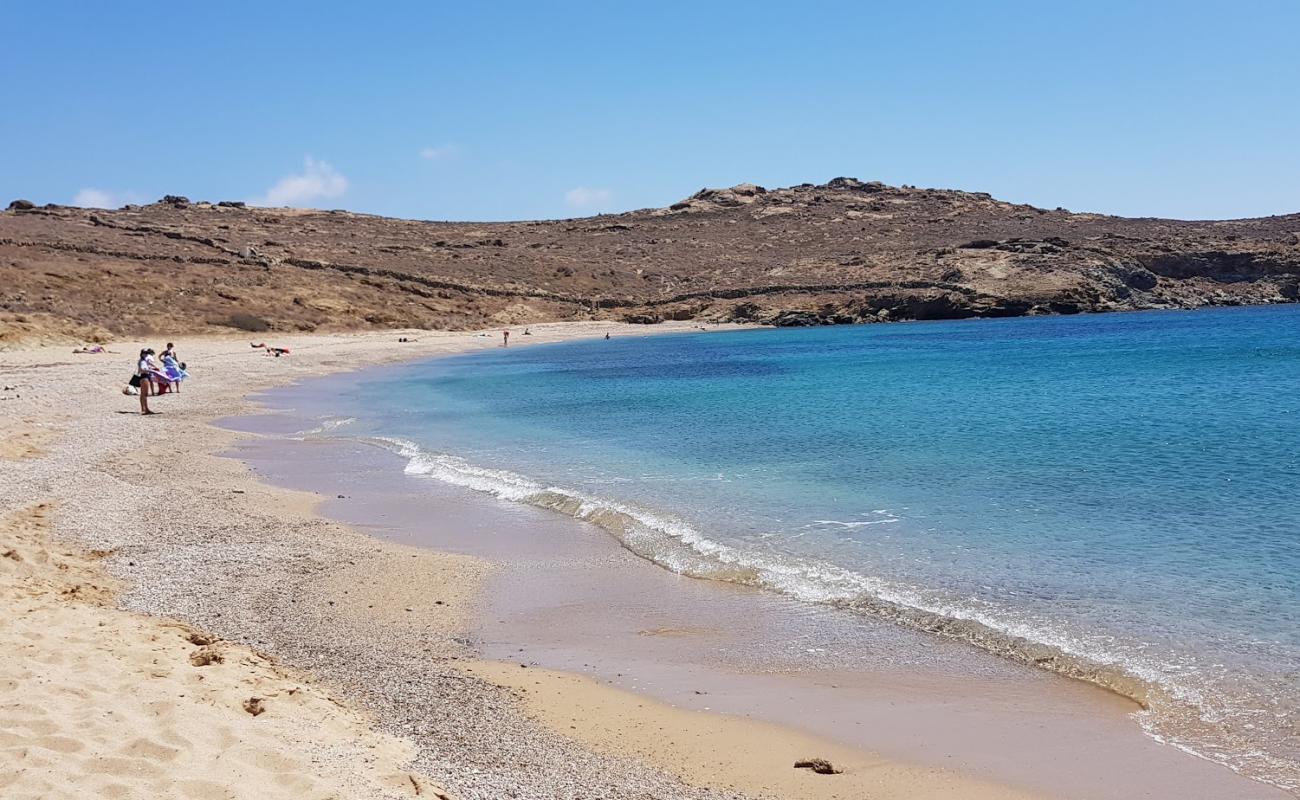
point(271, 351)
point(93, 348)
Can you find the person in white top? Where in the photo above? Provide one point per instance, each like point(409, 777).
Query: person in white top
point(145, 370)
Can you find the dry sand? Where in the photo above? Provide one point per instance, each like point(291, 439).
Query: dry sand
point(129, 533)
point(99, 702)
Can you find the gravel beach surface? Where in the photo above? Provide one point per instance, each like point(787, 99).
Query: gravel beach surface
point(197, 538)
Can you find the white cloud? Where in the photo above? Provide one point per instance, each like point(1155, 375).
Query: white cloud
point(318, 181)
point(442, 152)
point(586, 197)
point(98, 198)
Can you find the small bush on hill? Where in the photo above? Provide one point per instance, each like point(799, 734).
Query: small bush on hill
point(245, 322)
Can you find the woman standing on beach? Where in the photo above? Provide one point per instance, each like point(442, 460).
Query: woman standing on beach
point(144, 373)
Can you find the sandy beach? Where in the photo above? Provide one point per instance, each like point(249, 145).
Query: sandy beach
point(843, 401)
point(183, 629)
point(167, 616)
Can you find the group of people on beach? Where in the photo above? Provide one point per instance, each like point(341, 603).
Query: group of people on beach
point(156, 374)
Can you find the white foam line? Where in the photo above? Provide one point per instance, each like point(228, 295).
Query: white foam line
point(806, 580)
point(327, 424)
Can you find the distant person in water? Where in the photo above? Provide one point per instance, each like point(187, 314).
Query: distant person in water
point(505, 338)
point(607, 336)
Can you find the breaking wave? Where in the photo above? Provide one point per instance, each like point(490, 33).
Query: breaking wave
point(326, 425)
point(1173, 710)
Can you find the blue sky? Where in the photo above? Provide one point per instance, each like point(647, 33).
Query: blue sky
point(520, 111)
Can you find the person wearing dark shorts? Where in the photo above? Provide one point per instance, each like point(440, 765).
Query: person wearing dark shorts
point(144, 380)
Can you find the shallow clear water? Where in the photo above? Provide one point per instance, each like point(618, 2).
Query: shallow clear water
point(1112, 497)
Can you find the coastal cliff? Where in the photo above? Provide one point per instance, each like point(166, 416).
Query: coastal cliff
point(842, 252)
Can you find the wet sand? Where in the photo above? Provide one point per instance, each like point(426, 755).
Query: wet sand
point(566, 598)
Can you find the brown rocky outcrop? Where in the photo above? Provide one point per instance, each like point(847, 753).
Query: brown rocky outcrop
point(846, 251)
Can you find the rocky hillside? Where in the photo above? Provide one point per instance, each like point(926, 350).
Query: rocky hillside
point(841, 252)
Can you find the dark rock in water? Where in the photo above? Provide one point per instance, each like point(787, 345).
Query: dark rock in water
point(819, 765)
point(943, 306)
point(797, 319)
point(22, 205)
point(231, 204)
point(1005, 308)
point(175, 200)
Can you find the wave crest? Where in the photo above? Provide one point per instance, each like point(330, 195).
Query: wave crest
point(1167, 703)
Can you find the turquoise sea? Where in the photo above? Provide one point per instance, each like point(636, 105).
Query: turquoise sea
point(1113, 497)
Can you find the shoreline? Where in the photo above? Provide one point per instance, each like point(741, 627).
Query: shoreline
point(258, 568)
point(606, 615)
point(236, 559)
point(204, 574)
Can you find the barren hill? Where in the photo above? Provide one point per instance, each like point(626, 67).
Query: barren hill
point(845, 251)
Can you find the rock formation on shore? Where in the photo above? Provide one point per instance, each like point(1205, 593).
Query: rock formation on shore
point(842, 252)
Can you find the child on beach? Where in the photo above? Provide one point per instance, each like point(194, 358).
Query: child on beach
point(174, 371)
